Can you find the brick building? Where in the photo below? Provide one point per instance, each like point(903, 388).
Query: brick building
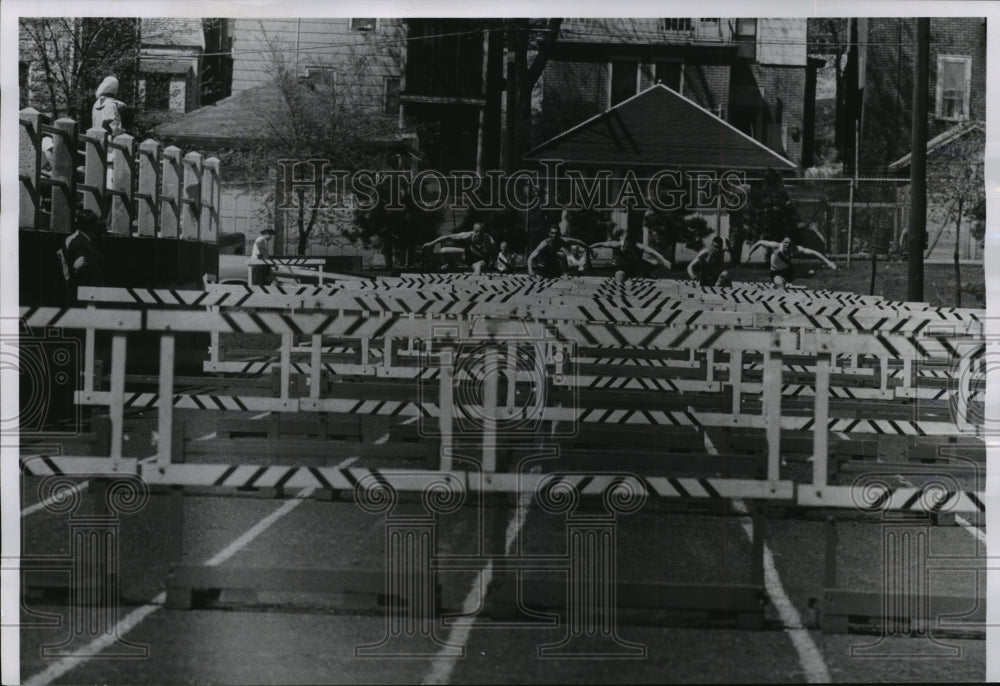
point(956, 89)
point(752, 73)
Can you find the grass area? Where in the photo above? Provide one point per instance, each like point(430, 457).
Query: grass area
point(890, 280)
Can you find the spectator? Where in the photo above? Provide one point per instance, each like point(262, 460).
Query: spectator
point(81, 261)
point(107, 111)
point(505, 259)
point(260, 273)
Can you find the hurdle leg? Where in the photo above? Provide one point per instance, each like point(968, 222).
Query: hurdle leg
point(88, 357)
point(490, 389)
point(883, 366)
point(117, 408)
point(315, 367)
point(165, 411)
point(821, 437)
point(710, 365)
point(511, 377)
point(736, 378)
point(446, 408)
point(772, 412)
point(286, 364)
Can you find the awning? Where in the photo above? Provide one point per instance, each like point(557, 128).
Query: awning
point(158, 65)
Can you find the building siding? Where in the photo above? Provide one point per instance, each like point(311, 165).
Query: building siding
point(360, 59)
point(781, 41)
point(888, 87)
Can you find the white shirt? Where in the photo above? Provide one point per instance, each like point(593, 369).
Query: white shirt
point(259, 248)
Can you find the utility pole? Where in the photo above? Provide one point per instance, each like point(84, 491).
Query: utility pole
point(518, 92)
point(918, 164)
point(494, 94)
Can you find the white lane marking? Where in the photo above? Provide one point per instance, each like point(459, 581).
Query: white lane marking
point(444, 663)
point(125, 625)
point(132, 619)
point(264, 524)
point(810, 656)
point(385, 437)
point(31, 509)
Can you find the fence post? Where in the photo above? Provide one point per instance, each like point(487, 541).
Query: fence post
point(191, 197)
point(30, 152)
point(121, 185)
point(171, 206)
point(209, 208)
point(95, 174)
point(148, 195)
point(64, 192)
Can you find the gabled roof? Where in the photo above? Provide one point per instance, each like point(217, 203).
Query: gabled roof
point(173, 31)
point(941, 140)
point(243, 116)
point(660, 128)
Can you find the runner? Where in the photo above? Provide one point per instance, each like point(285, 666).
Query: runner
point(628, 257)
point(544, 261)
point(782, 267)
point(479, 247)
point(708, 267)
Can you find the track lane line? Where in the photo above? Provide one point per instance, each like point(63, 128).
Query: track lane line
point(443, 664)
point(134, 618)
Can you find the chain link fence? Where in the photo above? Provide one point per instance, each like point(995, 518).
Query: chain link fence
point(851, 218)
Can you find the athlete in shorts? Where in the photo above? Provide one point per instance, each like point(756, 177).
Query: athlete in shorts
point(479, 247)
point(782, 256)
point(628, 257)
point(708, 267)
point(546, 260)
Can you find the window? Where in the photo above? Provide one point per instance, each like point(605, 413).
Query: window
point(364, 24)
point(954, 74)
point(391, 95)
point(318, 79)
point(676, 24)
point(157, 91)
point(669, 74)
point(624, 80)
point(746, 28)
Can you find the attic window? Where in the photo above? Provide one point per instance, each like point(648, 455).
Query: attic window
point(954, 76)
point(676, 24)
point(364, 24)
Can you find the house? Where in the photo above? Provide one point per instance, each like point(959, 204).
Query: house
point(956, 88)
point(753, 73)
point(170, 65)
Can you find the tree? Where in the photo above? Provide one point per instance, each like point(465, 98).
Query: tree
point(830, 36)
point(768, 214)
point(70, 56)
point(676, 227)
point(396, 231)
point(332, 116)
